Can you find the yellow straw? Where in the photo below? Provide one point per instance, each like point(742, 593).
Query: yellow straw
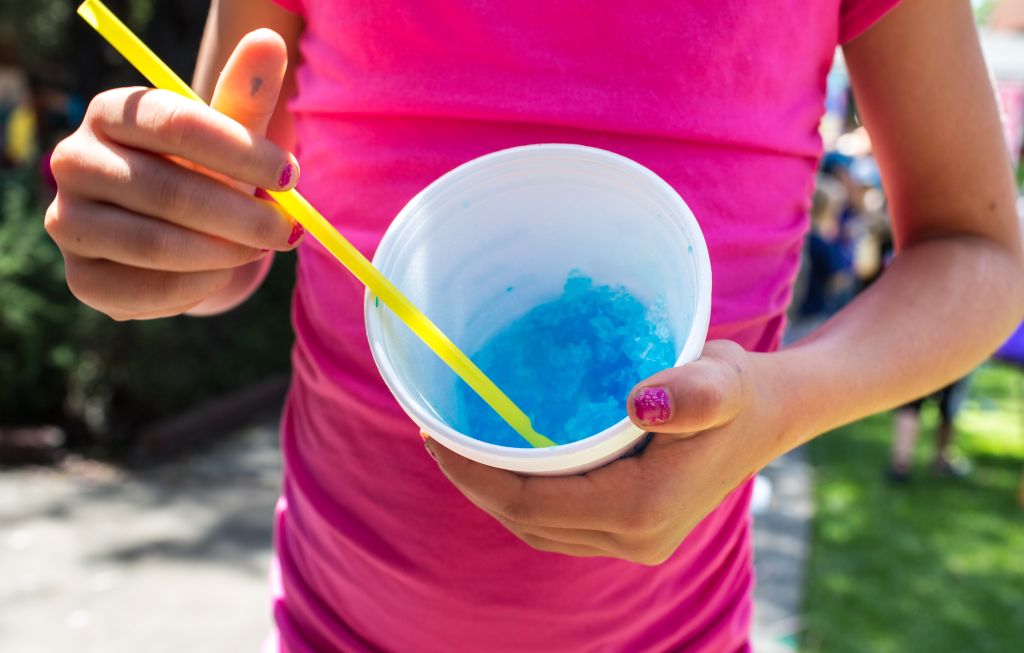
point(161, 76)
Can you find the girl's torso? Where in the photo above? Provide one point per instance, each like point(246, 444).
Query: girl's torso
point(377, 550)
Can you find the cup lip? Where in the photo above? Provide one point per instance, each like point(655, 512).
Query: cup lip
point(579, 453)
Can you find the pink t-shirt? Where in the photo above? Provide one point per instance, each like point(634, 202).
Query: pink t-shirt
point(377, 551)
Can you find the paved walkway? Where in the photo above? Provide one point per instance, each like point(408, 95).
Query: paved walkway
point(175, 559)
point(781, 547)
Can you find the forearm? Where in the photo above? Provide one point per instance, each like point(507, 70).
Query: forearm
point(954, 290)
point(940, 309)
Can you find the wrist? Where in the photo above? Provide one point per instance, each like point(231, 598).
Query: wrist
point(780, 405)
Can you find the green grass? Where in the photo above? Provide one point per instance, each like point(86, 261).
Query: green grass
point(934, 566)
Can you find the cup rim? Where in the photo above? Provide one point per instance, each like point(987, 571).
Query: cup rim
point(591, 450)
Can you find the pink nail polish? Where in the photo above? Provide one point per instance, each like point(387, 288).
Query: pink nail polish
point(652, 406)
point(297, 232)
point(286, 175)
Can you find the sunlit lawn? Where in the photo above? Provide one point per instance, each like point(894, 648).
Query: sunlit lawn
point(934, 566)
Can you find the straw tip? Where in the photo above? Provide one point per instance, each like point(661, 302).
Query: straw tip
point(88, 12)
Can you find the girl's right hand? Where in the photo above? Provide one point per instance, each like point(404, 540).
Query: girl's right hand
point(155, 212)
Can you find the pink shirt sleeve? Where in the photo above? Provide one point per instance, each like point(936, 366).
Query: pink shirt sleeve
point(294, 6)
point(856, 16)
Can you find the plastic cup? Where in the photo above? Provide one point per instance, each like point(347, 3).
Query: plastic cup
point(497, 236)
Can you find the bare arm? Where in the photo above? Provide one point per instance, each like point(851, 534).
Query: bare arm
point(954, 290)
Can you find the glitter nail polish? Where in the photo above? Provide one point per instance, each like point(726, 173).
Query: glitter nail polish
point(652, 406)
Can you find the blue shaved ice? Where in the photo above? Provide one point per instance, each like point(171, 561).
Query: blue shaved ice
point(569, 364)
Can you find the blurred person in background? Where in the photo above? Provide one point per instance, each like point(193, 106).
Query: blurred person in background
point(18, 126)
point(863, 225)
point(828, 266)
point(60, 112)
point(907, 425)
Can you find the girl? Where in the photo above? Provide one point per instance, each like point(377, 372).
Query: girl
point(382, 547)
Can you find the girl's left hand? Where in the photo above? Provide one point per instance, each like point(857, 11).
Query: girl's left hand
point(716, 426)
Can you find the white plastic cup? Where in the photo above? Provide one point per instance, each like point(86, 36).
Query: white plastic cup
point(499, 235)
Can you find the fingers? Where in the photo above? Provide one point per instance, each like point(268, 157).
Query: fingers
point(124, 292)
point(102, 231)
point(622, 510)
point(698, 396)
point(536, 501)
point(154, 212)
point(583, 539)
point(589, 544)
point(248, 88)
point(166, 123)
point(559, 546)
point(170, 311)
point(150, 185)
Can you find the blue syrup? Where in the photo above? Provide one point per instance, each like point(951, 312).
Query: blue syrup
point(569, 364)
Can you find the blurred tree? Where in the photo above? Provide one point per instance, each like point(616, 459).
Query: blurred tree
point(61, 362)
point(983, 9)
point(46, 38)
point(36, 309)
point(36, 29)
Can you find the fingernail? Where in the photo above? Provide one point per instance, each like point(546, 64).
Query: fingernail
point(286, 175)
point(429, 451)
point(264, 250)
point(652, 406)
point(297, 232)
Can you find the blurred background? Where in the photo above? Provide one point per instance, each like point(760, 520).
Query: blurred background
point(138, 461)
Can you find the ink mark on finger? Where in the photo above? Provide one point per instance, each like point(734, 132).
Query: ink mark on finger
point(255, 85)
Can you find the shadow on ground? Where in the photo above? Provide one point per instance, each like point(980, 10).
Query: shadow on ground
point(169, 558)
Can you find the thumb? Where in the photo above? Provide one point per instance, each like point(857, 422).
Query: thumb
point(701, 395)
point(248, 87)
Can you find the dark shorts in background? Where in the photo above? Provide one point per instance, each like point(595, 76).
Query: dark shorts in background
point(949, 399)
